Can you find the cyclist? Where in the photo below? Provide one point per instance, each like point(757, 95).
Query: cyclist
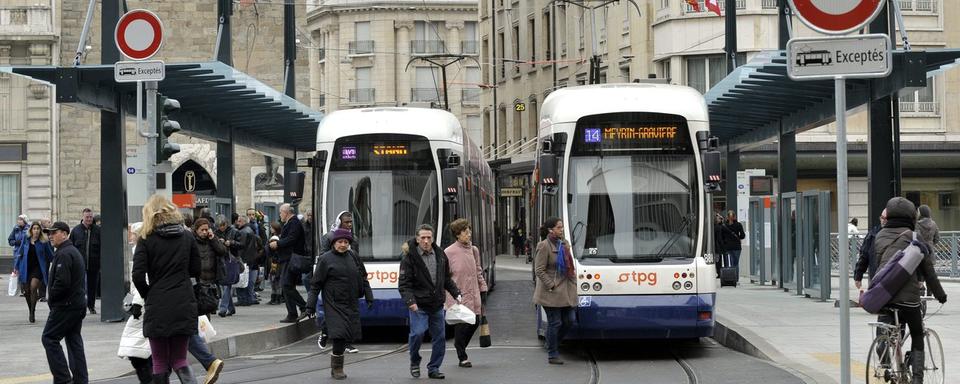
point(896, 235)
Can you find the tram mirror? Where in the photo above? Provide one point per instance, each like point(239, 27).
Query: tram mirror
point(294, 183)
point(546, 146)
point(453, 160)
point(450, 179)
point(548, 169)
point(711, 170)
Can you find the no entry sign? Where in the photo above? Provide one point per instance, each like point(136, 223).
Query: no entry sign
point(139, 34)
point(836, 17)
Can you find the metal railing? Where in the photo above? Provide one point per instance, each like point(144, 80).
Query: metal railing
point(470, 96)
point(768, 4)
point(520, 147)
point(362, 95)
point(925, 107)
point(360, 47)
point(946, 252)
point(424, 94)
point(469, 47)
point(426, 47)
point(930, 6)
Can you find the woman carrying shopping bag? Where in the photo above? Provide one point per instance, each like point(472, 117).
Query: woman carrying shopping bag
point(133, 346)
point(467, 273)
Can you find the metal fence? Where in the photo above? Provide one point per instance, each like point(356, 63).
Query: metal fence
point(947, 252)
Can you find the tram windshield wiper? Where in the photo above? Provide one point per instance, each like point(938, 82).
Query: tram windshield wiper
point(687, 219)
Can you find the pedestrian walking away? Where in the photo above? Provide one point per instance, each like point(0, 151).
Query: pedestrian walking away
point(556, 286)
point(341, 279)
point(927, 229)
point(251, 251)
point(170, 256)
point(34, 255)
point(732, 235)
point(467, 273)
point(288, 245)
point(133, 345)
point(86, 237)
point(895, 236)
point(67, 302)
point(424, 276)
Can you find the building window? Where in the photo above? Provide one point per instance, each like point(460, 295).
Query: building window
point(364, 91)
point(922, 101)
point(474, 129)
point(9, 205)
point(501, 54)
point(427, 87)
point(625, 73)
point(486, 68)
point(532, 29)
point(602, 26)
point(362, 43)
point(703, 72)
point(427, 38)
point(470, 95)
point(547, 36)
point(532, 121)
point(664, 69)
point(664, 4)
point(469, 44)
point(13, 153)
point(562, 29)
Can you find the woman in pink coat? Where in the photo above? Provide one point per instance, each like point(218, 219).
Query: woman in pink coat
point(467, 273)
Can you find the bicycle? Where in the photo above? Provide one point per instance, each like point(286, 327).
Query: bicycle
point(888, 364)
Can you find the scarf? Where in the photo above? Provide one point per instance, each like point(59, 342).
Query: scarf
point(564, 259)
point(900, 222)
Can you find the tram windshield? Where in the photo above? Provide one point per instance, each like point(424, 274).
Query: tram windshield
point(390, 186)
point(632, 189)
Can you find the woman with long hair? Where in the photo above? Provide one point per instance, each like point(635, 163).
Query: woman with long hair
point(35, 255)
point(168, 254)
point(556, 289)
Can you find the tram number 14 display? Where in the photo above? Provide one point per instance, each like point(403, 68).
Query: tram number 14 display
point(598, 135)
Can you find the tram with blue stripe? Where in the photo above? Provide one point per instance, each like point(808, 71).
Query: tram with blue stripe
point(622, 165)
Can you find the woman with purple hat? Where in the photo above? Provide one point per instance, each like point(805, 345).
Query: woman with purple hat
point(340, 279)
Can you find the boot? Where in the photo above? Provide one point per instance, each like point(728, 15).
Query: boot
point(273, 300)
point(336, 367)
point(916, 363)
point(161, 378)
point(186, 375)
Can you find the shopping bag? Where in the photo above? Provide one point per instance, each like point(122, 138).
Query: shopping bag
point(205, 328)
point(460, 314)
point(132, 342)
point(244, 278)
point(484, 332)
point(14, 285)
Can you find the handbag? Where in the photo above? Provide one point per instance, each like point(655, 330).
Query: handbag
point(484, 332)
point(301, 264)
point(231, 271)
point(207, 300)
point(14, 285)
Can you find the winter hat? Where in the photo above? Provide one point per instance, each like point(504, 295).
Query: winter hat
point(341, 233)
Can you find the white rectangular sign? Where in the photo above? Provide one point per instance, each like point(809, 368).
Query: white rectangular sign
point(861, 56)
point(134, 71)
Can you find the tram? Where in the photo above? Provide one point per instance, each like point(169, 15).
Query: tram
point(395, 169)
point(622, 166)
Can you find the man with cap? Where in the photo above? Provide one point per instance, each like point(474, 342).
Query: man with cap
point(67, 301)
point(340, 277)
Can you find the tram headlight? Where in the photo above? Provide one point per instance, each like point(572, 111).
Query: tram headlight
point(676, 285)
point(597, 286)
point(585, 287)
point(688, 285)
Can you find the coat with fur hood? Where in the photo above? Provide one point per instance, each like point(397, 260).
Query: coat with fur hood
point(169, 255)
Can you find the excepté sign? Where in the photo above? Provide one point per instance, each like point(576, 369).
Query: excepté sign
point(836, 17)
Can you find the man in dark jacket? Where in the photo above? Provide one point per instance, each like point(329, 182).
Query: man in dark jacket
point(67, 309)
point(732, 235)
point(867, 260)
point(255, 221)
point(250, 254)
point(86, 237)
point(424, 276)
point(289, 244)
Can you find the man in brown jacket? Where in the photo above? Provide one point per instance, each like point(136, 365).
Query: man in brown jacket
point(556, 289)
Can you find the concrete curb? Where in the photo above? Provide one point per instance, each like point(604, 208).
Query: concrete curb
point(512, 268)
point(262, 340)
point(740, 339)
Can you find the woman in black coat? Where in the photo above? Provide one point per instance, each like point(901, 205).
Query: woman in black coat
point(342, 279)
point(168, 254)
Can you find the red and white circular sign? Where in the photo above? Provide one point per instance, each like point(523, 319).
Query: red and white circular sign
point(836, 17)
point(139, 34)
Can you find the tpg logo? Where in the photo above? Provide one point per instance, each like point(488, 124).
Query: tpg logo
point(383, 276)
point(639, 277)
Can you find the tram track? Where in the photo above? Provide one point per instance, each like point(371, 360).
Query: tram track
point(399, 349)
point(687, 368)
point(596, 373)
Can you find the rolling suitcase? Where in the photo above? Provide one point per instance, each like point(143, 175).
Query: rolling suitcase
point(729, 276)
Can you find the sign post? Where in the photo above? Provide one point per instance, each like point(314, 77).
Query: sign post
point(839, 58)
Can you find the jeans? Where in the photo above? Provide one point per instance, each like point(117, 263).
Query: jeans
point(65, 324)
point(168, 353)
point(559, 322)
point(198, 348)
point(734, 257)
point(248, 295)
point(226, 299)
point(420, 322)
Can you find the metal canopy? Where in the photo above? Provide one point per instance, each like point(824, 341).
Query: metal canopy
point(749, 105)
point(218, 103)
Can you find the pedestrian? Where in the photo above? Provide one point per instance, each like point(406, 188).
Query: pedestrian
point(308, 233)
point(344, 221)
point(424, 276)
point(250, 251)
point(66, 299)
point(45, 223)
point(34, 255)
point(288, 245)
point(212, 254)
point(895, 236)
point(466, 272)
point(133, 345)
point(276, 291)
point(852, 229)
point(556, 289)
point(732, 235)
point(341, 278)
point(86, 237)
point(719, 251)
point(170, 256)
point(927, 229)
point(255, 221)
point(517, 238)
point(17, 236)
point(867, 260)
point(188, 220)
point(229, 237)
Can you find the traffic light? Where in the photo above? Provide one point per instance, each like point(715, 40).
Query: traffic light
point(166, 127)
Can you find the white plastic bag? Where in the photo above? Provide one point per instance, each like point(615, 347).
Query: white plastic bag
point(244, 278)
point(14, 285)
point(132, 342)
point(205, 327)
point(459, 314)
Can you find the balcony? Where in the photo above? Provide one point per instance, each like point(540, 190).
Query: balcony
point(361, 47)
point(427, 47)
point(470, 96)
point(920, 108)
point(469, 47)
point(424, 95)
point(920, 6)
point(362, 95)
point(25, 20)
point(768, 4)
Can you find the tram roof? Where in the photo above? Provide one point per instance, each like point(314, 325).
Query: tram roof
point(434, 124)
point(567, 105)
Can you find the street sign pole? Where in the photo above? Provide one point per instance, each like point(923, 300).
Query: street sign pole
point(842, 212)
point(151, 166)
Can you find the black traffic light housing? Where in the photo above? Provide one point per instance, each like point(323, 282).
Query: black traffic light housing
point(166, 127)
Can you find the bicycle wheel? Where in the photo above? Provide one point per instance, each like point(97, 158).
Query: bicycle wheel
point(878, 362)
point(933, 363)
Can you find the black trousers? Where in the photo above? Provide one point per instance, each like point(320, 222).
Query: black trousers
point(93, 282)
point(462, 334)
point(144, 369)
point(339, 345)
point(290, 294)
point(912, 318)
point(65, 324)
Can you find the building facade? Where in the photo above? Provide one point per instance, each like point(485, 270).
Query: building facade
point(371, 53)
point(527, 54)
